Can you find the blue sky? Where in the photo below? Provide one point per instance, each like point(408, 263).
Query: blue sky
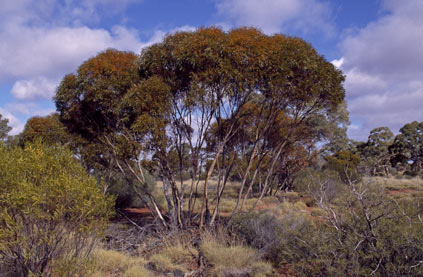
point(378, 44)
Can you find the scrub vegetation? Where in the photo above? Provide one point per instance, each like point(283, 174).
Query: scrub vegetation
point(211, 153)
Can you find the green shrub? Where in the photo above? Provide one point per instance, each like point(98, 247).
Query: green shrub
point(345, 163)
point(371, 235)
point(50, 209)
point(278, 239)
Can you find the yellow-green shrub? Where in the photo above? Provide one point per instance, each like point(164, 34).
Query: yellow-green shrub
point(50, 209)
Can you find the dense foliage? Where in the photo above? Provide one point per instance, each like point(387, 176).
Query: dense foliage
point(50, 209)
point(384, 153)
point(4, 127)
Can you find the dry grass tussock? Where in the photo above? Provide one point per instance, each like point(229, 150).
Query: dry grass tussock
point(113, 263)
point(229, 258)
point(211, 253)
point(396, 183)
point(176, 257)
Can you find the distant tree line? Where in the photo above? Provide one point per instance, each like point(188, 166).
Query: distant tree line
point(384, 154)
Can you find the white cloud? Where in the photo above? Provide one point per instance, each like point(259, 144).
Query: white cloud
point(274, 16)
point(43, 40)
point(359, 82)
point(20, 108)
point(383, 63)
point(16, 124)
point(35, 88)
point(36, 53)
point(29, 52)
point(37, 58)
point(338, 63)
point(64, 13)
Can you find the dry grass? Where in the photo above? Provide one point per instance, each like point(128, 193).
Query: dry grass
point(270, 200)
point(174, 257)
point(396, 183)
point(317, 212)
point(230, 259)
point(138, 271)
point(224, 255)
point(169, 258)
point(291, 194)
point(300, 206)
point(113, 263)
point(227, 205)
point(287, 206)
point(164, 264)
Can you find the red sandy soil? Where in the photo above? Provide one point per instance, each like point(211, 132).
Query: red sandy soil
point(401, 191)
point(285, 271)
point(143, 212)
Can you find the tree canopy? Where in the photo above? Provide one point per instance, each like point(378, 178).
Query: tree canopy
point(4, 127)
point(47, 129)
point(408, 145)
point(259, 95)
point(376, 151)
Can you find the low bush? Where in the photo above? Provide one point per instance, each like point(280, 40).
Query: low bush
point(277, 238)
point(51, 210)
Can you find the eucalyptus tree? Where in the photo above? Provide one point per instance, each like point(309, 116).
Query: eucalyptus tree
point(408, 146)
point(307, 93)
point(98, 101)
point(375, 151)
point(4, 127)
point(213, 76)
point(204, 95)
point(48, 129)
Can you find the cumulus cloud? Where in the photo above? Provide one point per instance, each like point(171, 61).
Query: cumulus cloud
point(383, 63)
point(338, 63)
point(26, 53)
point(31, 89)
point(43, 40)
point(16, 124)
point(30, 49)
point(54, 12)
point(30, 52)
point(277, 15)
